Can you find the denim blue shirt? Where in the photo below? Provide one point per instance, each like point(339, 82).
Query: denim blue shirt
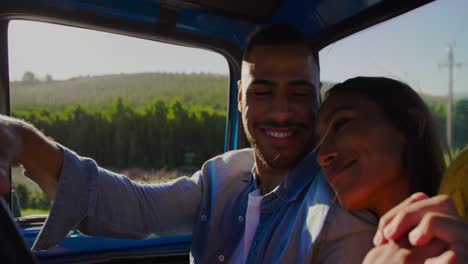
point(211, 205)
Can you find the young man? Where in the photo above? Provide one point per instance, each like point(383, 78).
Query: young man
point(260, 205)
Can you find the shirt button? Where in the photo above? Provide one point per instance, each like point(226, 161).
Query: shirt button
point(240, 218)
point(203, 217)
point(221, 258)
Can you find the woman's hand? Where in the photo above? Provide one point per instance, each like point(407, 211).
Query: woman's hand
point(403, 252)
point(422, 220)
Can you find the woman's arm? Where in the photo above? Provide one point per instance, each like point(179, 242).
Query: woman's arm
point(425, 220)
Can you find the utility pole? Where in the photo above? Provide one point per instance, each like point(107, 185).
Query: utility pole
point(450, 64)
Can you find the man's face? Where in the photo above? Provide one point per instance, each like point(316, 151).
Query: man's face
point(279, 99)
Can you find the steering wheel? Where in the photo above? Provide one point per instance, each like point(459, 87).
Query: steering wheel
point(13, 249)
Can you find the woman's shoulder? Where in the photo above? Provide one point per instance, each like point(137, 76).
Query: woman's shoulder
point(346, 236)
point(342, 222)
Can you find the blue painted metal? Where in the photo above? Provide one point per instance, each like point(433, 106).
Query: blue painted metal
point(77, 244)
point(233, 30)
point(137, 11)
point(311, 16)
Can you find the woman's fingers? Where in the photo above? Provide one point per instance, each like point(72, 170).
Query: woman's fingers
point(447, 228)
point(432, 249)
point(455, 255)
point(403, 252)
point(387, 253)
point(410, 214)
point(429, 221)
point(385, 220)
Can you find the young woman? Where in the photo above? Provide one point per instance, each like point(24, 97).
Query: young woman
point(378, 150)
point(377, 144)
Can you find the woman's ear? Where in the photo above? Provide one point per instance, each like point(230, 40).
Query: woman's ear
point(419, 119)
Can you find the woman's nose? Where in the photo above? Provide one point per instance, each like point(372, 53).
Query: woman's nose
point(325, 157)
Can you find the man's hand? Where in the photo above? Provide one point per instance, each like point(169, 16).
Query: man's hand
point(21, 143)
point(10, 144)
point(424, 220)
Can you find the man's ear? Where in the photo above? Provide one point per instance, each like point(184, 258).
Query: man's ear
point(320, 92)
point(239, 95)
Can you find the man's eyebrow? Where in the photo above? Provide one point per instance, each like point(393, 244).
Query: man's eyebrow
point(302, 82)
point(262, 81)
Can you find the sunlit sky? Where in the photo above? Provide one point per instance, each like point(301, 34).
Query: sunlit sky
point(409, 47)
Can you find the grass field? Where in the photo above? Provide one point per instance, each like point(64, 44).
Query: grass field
point(209, 90)
point(31, 211)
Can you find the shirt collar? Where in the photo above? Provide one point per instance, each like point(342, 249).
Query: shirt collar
point(297, 179)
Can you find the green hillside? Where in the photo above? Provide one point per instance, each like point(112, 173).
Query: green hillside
point(191, 89)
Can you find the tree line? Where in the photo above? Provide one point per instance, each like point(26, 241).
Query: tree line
point(166, 135)
point(155, 135)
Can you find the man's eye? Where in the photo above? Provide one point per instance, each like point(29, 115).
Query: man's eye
point(262, 92)
point(301, 93)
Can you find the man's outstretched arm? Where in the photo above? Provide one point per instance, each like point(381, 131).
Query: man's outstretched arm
point(21, 143)
point(96, 201)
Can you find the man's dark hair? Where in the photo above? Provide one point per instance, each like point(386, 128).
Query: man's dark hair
point(279, 35)
point(405, 110)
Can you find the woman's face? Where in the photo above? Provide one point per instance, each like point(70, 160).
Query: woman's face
point(361, 153)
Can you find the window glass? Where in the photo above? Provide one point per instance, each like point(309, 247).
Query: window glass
point(415, 48)
point(149, 110)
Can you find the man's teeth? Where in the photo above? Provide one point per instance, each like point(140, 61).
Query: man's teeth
point(278, 134)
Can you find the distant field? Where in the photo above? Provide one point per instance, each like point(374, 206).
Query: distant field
point(31, 211)
point(191, 89)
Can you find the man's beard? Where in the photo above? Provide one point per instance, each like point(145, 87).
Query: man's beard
point(276, 161)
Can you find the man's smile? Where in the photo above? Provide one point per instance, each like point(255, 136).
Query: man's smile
point(279, 133)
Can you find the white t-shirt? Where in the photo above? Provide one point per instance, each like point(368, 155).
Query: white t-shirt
point(252, 217)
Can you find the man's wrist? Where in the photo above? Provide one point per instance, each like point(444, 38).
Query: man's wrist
point(40, 156)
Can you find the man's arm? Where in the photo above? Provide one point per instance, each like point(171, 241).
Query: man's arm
point(90, 198)
point(347, 249)
point(102, 203)
point(346, 237)
point(21, 143)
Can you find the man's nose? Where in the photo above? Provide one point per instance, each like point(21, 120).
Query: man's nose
point(326, 156)
point(282, 108)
